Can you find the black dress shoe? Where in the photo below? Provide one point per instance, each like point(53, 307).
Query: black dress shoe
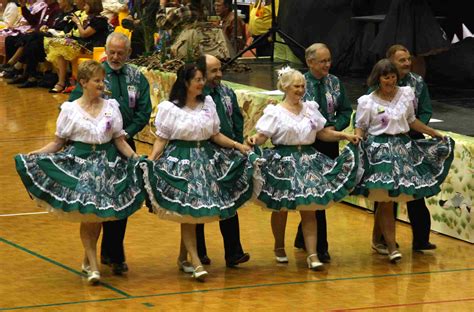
point(105, 260)
point(28, 84)
point(237, 260)
point(426, 246)
point(324, 257)
point(119, 268)
point(205, 260)
point(18, 80)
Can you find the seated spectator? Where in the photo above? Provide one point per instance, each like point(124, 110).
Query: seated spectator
point(38, 14)
point(92, 33)
point(33, 52)
point(223, 8)
point(11, 16)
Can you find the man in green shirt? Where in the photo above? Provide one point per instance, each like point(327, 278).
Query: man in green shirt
point(231, 125)
point(129, 87)
point(418, 213)
point(325, 89)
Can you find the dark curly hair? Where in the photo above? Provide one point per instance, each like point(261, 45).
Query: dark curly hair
point(179, 91)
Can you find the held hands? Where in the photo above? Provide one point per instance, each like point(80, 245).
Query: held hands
point(353, 138)
point(244, 149)
point(252, 140)
point(75, 20)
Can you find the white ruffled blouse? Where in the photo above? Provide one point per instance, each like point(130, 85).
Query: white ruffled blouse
point(175, 123)
point(285, 128)
point(377, 116)
point(75, 124)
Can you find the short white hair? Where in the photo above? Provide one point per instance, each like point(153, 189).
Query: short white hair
point(120, 37)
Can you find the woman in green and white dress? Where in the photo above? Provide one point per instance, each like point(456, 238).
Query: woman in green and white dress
point(393, 167)
point(88, 181)
point(295, 176)
point(190, 180)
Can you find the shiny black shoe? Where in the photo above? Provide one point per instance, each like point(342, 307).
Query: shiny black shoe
point(28, 84)
point(119, 268)
point(205, 260)
point(105, 260)
point(18, 79)
point(324, 257)
point(237, 260)
point(426, 246)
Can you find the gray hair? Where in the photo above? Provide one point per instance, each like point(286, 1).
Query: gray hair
point(312, 49)
point(287, 78)
point(120, 37)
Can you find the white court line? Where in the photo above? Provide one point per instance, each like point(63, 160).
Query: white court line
point(22, 214)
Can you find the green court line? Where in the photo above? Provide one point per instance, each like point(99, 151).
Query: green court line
point(120, 292)
point(128, 297)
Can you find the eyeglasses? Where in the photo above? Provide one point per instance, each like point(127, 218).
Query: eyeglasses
point(323, 62)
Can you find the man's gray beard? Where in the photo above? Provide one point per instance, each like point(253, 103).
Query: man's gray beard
point(113, 66)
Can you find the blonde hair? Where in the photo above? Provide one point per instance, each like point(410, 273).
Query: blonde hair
point(286, 77)
point(88, 69)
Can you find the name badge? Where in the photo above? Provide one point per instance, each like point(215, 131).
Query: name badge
point(132, 96)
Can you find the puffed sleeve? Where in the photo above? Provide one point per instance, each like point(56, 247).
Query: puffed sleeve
point(362, 119)
point(216, 123)
point(164, 119)
point(116, 120)
point(410, 114)
point(64, 123)
point(268, 123)
point(317, 119)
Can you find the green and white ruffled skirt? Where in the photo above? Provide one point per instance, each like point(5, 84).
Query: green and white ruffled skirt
point(86, 183)
point(301, 178)
point(397, 168)
point(198, 182)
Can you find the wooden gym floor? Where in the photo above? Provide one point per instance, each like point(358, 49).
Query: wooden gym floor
point(40, 256)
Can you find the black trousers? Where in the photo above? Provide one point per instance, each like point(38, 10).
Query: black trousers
point(231, 235)
point(113, 235)
point(330, 149)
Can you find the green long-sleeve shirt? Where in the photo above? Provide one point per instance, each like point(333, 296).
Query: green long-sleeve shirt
point(331, 97)
point(131, 89)
point(228, 110)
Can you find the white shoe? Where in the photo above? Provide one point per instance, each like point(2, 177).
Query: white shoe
point(93, 277)
point(314, 265)
point(282, 259)
point(201, 275)
point(185, 266)
point(395, 256)
point(381, 249)
point(85, 269)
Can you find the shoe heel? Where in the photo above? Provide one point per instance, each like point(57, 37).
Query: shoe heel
point(281, 259)
point(314, 265)
point(201, 275)
point(93, 278)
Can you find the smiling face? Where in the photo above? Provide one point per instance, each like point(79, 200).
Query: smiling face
point(117, 53)
point(196, 84)
point(94, 87)
point(388, 83)
point(402, 60)
point(213, 71)
point(320, 63)
point(295, 91)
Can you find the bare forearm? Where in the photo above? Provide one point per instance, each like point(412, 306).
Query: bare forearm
point(417, 125)
point(124, 148)
point(51, 147)
point(158, 148)
point(329, 135)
